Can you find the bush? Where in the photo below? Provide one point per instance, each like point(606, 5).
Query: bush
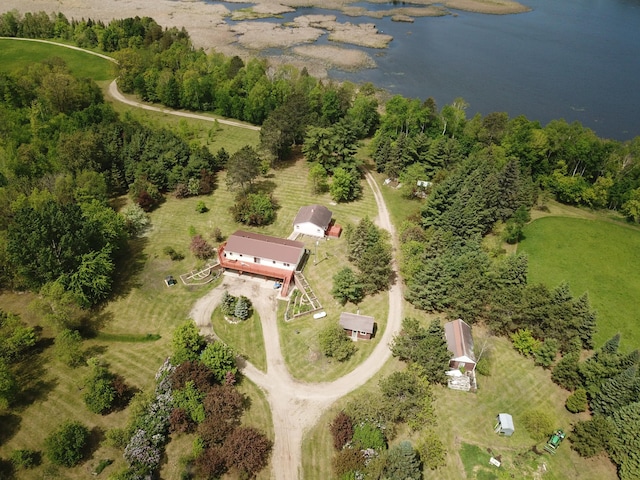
point(341, 430)
point(538, 423)
point(201, 248)
point(335, 343)
point(65, 445)
point(483, 367)
point(577, 401)
point(366, 436)
point(216, 235)
point(255, 209)
point(23, 458)
point(201, 207)
point(525, 343)
point(172, 254)
point(432, 451)
point(68, 348)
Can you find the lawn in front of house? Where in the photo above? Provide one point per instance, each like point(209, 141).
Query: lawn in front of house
point(595, 256)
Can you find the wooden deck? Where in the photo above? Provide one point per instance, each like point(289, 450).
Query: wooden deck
point(280, 274)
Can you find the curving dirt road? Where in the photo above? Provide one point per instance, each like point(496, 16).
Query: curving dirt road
point(297, 406)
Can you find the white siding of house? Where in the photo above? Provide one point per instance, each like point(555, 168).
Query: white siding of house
point(308, 228)
point(267, 262)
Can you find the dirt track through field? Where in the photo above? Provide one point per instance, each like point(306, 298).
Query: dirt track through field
point(295, 406)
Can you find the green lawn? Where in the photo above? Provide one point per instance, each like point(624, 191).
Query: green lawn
point(245, 337)
point(17, 54)
point(515, 386)
point(594, 256)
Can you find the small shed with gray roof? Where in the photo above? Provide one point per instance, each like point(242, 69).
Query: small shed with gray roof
point(313, 220)
point(358, 327)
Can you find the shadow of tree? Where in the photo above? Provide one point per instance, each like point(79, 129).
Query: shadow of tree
point(31, 375)
point(7, 471)
point(96, 437)
point(263, 186)
point(10, 426)
point(129, 265)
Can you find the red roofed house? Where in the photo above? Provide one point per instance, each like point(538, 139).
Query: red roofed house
point(358, 327)
point(273, 257)
point(463, 361)
point(313, 220)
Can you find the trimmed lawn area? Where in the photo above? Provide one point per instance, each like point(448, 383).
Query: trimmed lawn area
point(17, 54)
point(245, 337)
point(595, 256)
point(465, 424)
point(514, 386)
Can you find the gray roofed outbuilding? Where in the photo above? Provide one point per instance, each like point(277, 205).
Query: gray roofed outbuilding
point(360, 323)
point(318, 215)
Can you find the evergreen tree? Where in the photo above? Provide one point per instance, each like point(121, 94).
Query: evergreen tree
point(228, 304)
point(566, 372)
point(617, 392)
point(577, 401)
point(403, 463)
point(243, 308)
point(586, 319)
point(624, 445)
point(360, 238)
point(591, 437)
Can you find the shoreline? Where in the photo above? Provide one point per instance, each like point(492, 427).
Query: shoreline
point(247, 36)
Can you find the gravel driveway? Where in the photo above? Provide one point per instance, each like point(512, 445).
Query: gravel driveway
point(297, 406)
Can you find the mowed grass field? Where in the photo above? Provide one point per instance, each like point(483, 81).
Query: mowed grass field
point(17, 54)
point(595, 256)
point(514, 386)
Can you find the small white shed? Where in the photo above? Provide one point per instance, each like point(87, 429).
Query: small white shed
point(504, 425)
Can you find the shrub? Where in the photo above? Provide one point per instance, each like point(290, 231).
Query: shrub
point(341, 430)
point(248, 450)
point(538, 423)
point(201, 248)
point(68, 348)
point(366, 436)
point(432, 451)
point(65, 445)
point(220, 359)
point(334, 343)
point(524, 342)
point(255, 209)
point(201, 207)
point(577, 401)
point(23, 458)
point(483, 367)
point(172, 254)
point(216, 235)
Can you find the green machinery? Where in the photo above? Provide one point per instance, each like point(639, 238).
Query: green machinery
point(554, 441)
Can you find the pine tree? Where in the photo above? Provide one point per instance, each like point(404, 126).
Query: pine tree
point(228, 304)
point(243, 308)
point(625, 442)
point(617, 392)
point(403, 463)
point(586, 320)
point(566, 373)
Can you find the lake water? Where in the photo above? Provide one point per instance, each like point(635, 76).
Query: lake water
point(571, 59)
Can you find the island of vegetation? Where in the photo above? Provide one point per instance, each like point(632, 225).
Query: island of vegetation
point(102, 204)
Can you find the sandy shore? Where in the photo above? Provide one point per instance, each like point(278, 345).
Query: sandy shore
point(208, 27)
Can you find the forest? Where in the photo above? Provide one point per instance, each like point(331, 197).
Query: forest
point(65, 154)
